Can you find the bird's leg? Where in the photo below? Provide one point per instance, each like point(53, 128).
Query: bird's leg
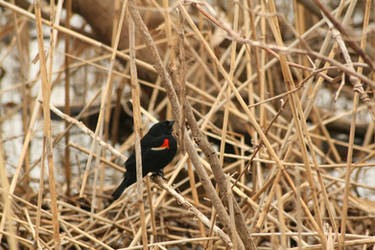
point(160, 173)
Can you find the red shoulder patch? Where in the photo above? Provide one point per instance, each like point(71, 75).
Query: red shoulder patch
point(165, 145)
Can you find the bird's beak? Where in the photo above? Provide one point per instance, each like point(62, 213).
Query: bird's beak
point(171, 123)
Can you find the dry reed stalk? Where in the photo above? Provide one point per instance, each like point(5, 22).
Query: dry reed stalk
point(227, 195)
point(215, 164)
point(181, 79)
point(137, 127)
point(68, 7)
point(260, 69)
point(116, 32)
point(7, 211)
point(219, 79)
point(152, 211)
point(47, 139)
point(25, 69)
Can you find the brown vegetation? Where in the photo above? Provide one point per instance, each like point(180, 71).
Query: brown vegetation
point(273, 102)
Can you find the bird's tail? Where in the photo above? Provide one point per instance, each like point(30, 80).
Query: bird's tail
point(120, 189)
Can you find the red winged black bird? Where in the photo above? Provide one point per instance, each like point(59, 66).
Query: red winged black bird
point(158, 148)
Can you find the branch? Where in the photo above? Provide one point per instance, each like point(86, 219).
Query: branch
point(167, 82)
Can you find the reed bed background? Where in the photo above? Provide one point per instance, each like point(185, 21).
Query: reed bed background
point(274, 110)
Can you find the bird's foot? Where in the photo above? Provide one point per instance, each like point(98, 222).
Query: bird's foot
point(159, 173)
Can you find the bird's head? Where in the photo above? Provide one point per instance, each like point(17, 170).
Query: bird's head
point(163, 127)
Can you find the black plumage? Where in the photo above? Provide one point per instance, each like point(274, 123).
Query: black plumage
point(158, 148)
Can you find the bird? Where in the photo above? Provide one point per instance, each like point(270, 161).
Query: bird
point(158, 148)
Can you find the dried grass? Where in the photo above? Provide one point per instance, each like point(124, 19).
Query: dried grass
point(282, 170)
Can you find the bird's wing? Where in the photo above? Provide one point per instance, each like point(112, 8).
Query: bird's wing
point(160, 143)
point(147, 140)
